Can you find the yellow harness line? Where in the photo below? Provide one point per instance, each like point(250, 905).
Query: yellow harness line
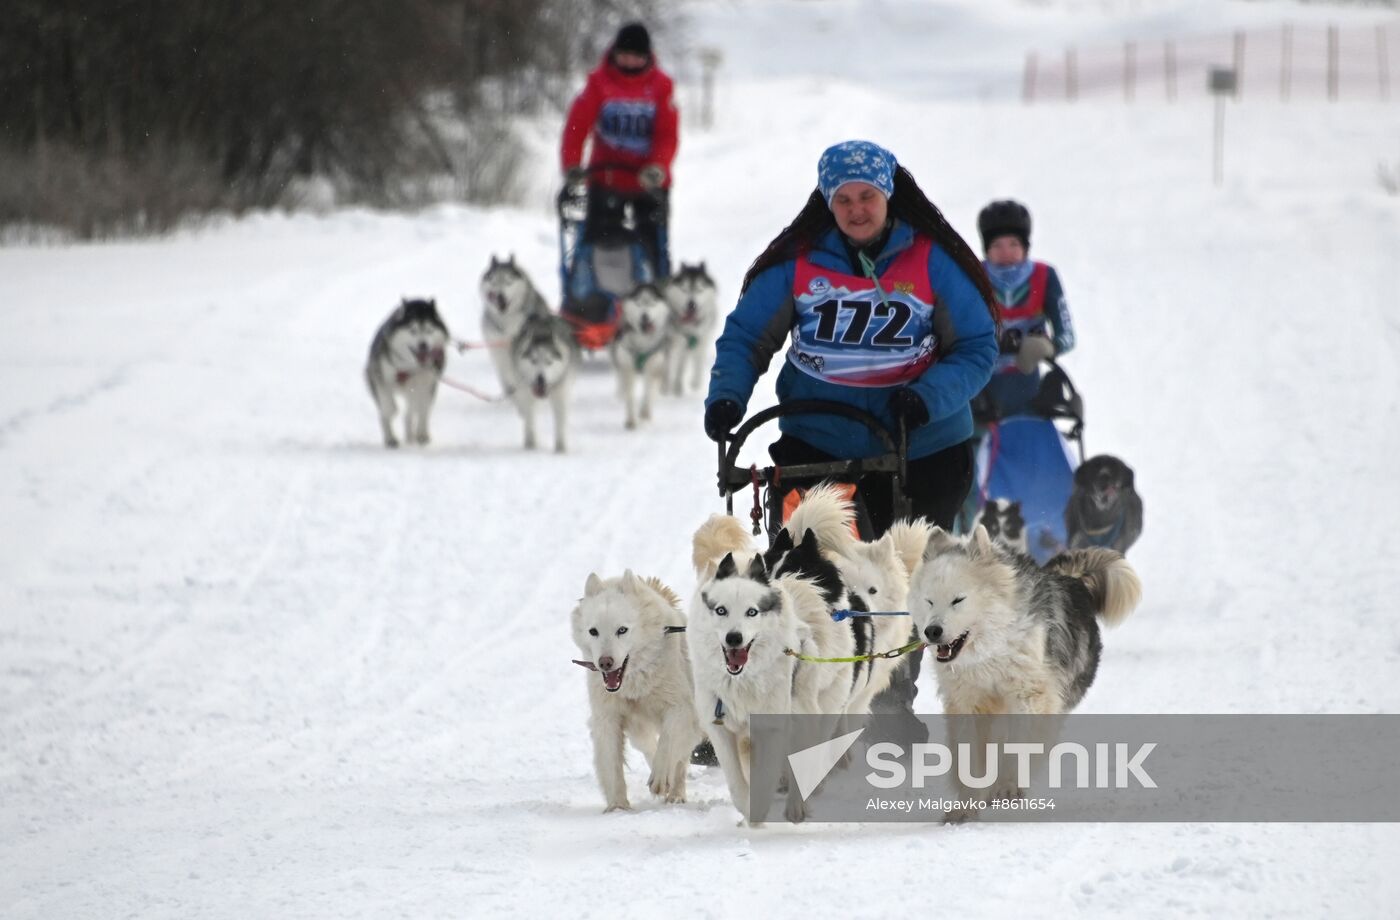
point(892, 653)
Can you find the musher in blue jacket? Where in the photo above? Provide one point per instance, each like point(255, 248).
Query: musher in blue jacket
point(882, 307)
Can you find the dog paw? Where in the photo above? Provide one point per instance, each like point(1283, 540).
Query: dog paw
point(624, 805)
point(559, 447)
point(391, 443)
point(796, 810)
point(631, 424)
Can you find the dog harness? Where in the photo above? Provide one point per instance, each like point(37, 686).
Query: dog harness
point(863, 331)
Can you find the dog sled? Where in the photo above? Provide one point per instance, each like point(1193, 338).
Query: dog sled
point(1030, 457)
point(777, 488)
point(597, 269)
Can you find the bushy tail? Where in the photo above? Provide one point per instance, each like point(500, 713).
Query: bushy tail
point(910, 539)
point(1108, 576)
point(718, 536)
point(826, 511)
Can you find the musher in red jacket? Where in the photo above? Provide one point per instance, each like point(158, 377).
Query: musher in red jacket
point(627, 110)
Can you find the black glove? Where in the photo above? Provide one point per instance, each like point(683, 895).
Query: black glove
point(908, 405)
point(720, 418)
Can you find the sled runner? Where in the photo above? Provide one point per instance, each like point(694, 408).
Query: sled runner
point(598, 268)
point(774, 486)
point(1027, 458)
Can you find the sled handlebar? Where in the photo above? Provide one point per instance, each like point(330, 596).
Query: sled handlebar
point(895, 460)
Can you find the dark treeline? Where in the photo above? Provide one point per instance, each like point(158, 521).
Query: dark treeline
point(128, 115)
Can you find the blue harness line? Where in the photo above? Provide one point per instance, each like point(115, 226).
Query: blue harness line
point(839, 615)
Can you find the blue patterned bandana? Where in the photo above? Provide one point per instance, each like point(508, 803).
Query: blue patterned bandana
point(855, 161)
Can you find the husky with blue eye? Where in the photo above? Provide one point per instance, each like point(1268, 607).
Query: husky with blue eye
point(743, 623)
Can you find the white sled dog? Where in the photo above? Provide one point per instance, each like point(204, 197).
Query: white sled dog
point(873, 576)
point(406, 359)
point(742, 624)
point(693, 299)
point(533, 351)
point(631, 632)
point(1009, 638)
point(640, 348)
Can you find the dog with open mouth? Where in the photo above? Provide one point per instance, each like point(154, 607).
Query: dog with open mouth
point(632, 634)
point(1008, 637)
point(1105, 509)
point(745, 628)
point(641, 349)
point(694, 303)
point(406, 361)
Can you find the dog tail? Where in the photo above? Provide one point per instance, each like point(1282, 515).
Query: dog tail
point(717, 537)
point(910, 539)
point(1110, 579)
point(826, 511)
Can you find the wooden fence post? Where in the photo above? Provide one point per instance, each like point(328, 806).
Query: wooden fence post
point(1028, 84)
point(1285, 70)
point(1071, 75)
point(1382, 63)
point(1169, 67)
point(1333, 68)
point(1239, 62)
point(1129, 70)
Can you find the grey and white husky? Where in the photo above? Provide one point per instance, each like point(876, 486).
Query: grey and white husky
point(533, 351)
point(629, 630)
point(641, 348)
point(692, 296)
point(406, 359)
point(543, 355)
point(1008, 637)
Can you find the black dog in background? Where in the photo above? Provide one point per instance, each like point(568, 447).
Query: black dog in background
point(1105, 509)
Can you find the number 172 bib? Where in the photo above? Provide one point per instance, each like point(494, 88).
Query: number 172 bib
point(848, 335)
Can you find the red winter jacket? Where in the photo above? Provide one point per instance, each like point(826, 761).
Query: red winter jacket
point(631, 119)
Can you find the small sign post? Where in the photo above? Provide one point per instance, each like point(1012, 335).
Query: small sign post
point(1222, 82)
point(709, 62)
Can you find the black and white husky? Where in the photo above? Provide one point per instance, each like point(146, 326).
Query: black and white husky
point(640, 348)
point(1005, 524)
point(1007, 637)
point(534, 352)
point(743, 624)
point(629, 630)
point(692, 296)
point(406, 359)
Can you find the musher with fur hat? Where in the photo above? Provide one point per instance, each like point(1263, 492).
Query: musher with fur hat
point(1035, 317)
point(882, 306)
point(627, 111)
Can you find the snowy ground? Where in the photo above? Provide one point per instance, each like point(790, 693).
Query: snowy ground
point(251, 664)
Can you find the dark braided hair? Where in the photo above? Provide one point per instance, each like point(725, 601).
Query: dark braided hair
point(909, 204)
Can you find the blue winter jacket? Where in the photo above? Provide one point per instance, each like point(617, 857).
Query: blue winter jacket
point(762, 322)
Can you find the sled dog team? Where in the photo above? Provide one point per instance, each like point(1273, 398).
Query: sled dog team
point(663, 340)
point(1005, 636)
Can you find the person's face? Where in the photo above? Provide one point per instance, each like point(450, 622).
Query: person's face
point(1006, 250)
point(629, 60)
point(860, 210)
